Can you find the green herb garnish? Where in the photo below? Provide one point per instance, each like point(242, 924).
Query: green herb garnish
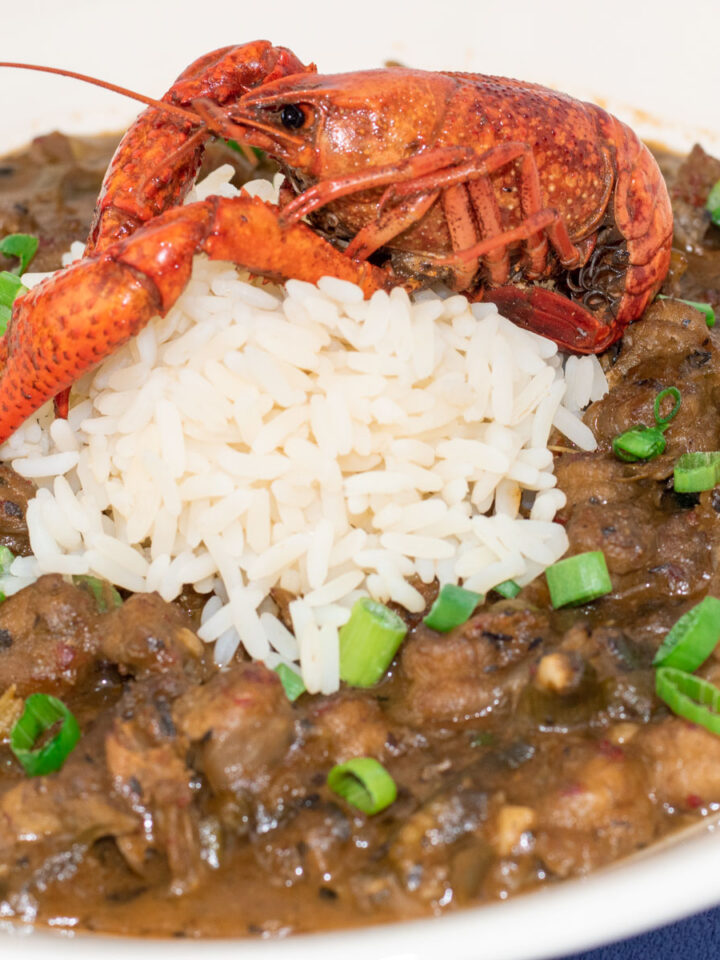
point(646, 443)
point(105, 594)
point(365, 783)
point(41, 713)
point(292, 682)
point(20, 245)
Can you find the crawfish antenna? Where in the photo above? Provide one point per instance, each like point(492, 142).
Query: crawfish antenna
point(149, 101)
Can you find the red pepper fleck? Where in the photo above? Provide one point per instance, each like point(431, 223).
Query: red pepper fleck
point(243, 700)
point(257, 673)
point(693, 801)
point(572, 789)
point(611, 750)
point(65, 655)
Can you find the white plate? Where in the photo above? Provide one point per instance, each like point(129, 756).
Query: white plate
point(654, 57)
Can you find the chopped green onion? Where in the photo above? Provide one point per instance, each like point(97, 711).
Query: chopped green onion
point(368, 642)
point(453, 607)
point(639, 443)
point(20, 245)
point(6, 559)
point(105, 594)
point(10, 287)
point(365, 783)
point(508, 588)
point(667, 392)
point(291, 681)
point(578, 579)
point(712, 205)
point(40, 714)
point(698, 471)
point(646, 443)
point(704, 308)
point(690, 697)
point(692, 639)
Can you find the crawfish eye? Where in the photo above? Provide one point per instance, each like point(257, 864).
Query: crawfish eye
point(292, 116)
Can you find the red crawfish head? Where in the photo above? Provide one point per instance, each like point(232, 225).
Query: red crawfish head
point(332, 125)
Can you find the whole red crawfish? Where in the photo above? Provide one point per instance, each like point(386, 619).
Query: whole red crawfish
point(549, 207)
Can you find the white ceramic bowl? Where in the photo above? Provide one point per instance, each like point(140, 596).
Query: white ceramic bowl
point(651, 65)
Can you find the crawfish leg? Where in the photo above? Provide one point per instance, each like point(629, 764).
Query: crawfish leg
point(389, 224)
point(552, 315)
point(74, 319)
point(413, 169)
point(487, 210)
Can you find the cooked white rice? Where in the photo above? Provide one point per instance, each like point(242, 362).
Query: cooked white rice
point(308, 439)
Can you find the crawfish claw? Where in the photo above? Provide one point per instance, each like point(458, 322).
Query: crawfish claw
point(552, 315)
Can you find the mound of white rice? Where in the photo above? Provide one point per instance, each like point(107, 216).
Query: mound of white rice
point(308, 439)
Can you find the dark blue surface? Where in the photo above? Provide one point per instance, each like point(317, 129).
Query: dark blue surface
point(695, 939)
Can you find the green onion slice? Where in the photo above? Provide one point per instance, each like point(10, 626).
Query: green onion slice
point(704, 308)
point(698, 471)
point(368, 642)
point(692, 639)
point(20, 245)
point(578, 579)
point(10, 288)
point(105, 594)
point(454, 606)
point(646, 443)
point(712, 204)
point(667, 392)
point(508, 588)
point(292, 682)
point(365, 783)
point(690, 697)
point(6, 559)
point(639, 443)
point(40, 714)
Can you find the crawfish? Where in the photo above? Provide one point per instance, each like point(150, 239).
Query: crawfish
point(549, 207)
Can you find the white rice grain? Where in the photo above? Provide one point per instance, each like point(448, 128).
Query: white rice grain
point(279, 636)
point(48, 466)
